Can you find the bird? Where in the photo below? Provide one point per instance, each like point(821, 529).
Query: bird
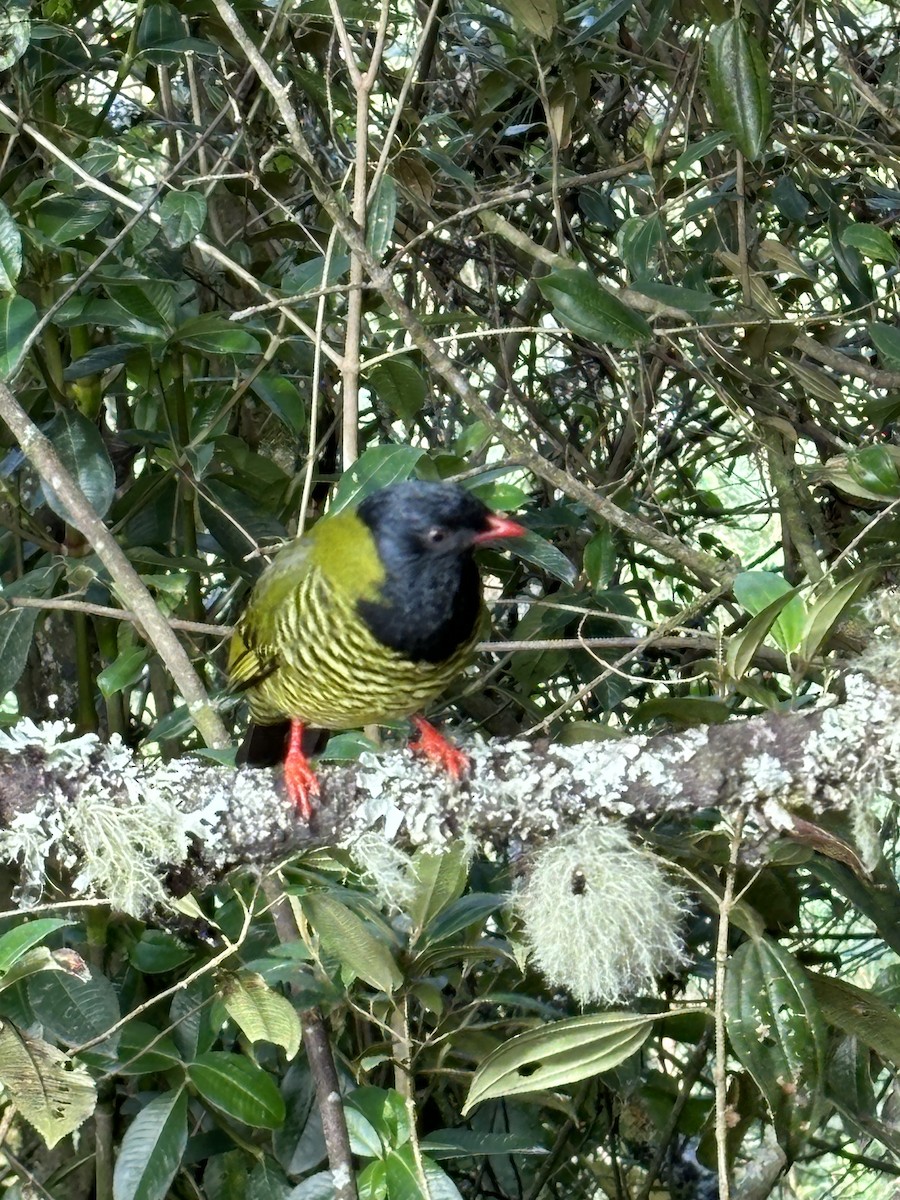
point(365, 619)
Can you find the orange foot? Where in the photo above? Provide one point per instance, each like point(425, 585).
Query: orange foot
point(299, 777)
point(438, 750)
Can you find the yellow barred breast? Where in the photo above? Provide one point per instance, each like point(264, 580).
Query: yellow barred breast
point(321, 665)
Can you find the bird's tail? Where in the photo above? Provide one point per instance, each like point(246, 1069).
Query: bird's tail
point(266, 745)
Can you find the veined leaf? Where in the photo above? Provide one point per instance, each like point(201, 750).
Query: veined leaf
point(345, 937)
point(557, 1054)
point(238, 1087)
point(739, 86)
point(261, 1014)
point(776, 1030)
point(54, 1094)
point(587, 308)
point(152, 1149)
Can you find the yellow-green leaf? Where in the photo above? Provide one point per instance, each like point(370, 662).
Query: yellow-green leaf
point(261, 1014)
point(51, 1092)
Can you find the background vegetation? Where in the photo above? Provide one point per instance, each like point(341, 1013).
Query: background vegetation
point(629, 270)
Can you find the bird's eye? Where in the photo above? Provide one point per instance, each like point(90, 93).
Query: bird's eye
point(435, 535)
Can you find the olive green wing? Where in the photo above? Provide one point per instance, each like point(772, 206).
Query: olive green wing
point(254, 652)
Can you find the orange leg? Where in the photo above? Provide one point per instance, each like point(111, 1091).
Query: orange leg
point(299, 777)
point(438, 750)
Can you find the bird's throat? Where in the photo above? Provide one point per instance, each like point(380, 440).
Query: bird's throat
point(426, 614)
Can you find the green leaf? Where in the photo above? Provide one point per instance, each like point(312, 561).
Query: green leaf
point(123, 671)
point(261, 1014)
point(465, 1143)
point(694, 152)
point(539, 17)
point(871, 241)
point(600, 558)
point(15, 942)
point(145, 1050)
point(826, 612)
point(54, 1094)
point(212, 334)
point(400, 386)
point(757, 591)
point(283, 398)
point(534, 549)
point(404, 1181)
point(345, 937)
point(72, 1009)
point(80, 447)
point(183, 215)
point(859, 1013)
point(739, 86)
point(311, 275)
point(588, 309)
point(152, 1149)
point(776, 1030)
point(18, 317)
point(15, 32)
point(468, 910)
point(381, 217)
point(157, 952)
point(875, 470)
point(440, 880)
point(10, 250)
point(299, 1144)
point(557, 1054)
point(374, 469)
point(17, 625)
point(238, 1088)
point(63, 219)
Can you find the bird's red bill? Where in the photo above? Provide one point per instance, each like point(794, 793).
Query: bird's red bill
point(498, 527)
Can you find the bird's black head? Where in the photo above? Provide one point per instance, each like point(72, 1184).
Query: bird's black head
point(417, 518)
point(425, 534)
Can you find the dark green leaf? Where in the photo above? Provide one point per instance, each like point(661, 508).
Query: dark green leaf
point(18, 317)
point(63, 219)
point(588, 309)
point(374, 469)
point(72, 1009)
point(124, 671)
point(400, 387)
point(80, 447)
point(240, 1089)
point(382, 213)
point(871, 241)
point(17, 625)
point(886, 340)
point(344, 936)
point(144, 1050)
point(15, 942)
point(10, 250)
point(183, 215)
point(776, 1030)
point(557, 1054)
point(466, 1143)
point(739, 86)
point(158, 952)
point(213, 334)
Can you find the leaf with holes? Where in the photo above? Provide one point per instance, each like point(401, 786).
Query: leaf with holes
point(54, 1094)
point(777, 1032)
point(557, 1054)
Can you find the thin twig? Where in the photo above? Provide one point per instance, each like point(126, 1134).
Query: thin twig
point(720, 1070)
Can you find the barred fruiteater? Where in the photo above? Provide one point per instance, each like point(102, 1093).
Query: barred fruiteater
point(365, 619)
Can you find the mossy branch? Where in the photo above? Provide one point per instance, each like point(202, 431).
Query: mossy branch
point(785, 770)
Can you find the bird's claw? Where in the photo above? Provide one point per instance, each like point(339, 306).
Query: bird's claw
point(299, 777)
point(436, 749)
